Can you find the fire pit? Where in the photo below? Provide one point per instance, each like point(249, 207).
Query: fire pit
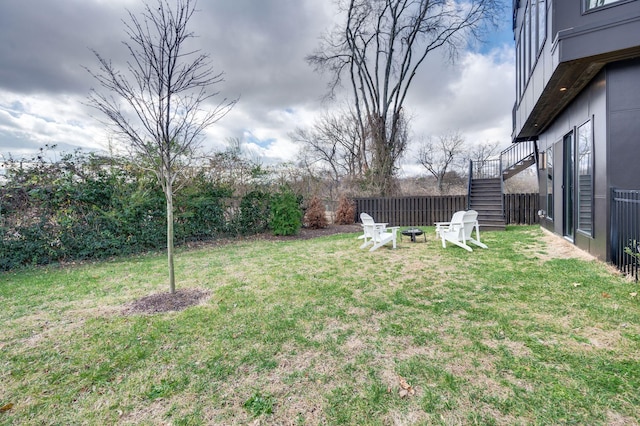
point(413, 233)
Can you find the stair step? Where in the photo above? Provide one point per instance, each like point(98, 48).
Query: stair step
point(485, 227)
point(486, 198)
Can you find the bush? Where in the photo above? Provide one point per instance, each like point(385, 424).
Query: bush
point(90, 207)
point(254, 213)
point(199, 210)
point(346, 212)
point(315, 217)
point(286, 215)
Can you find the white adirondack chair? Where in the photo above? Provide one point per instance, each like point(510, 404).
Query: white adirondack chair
point(382, 236)
point(368, 225)
point(459, 230)
point(375, 234)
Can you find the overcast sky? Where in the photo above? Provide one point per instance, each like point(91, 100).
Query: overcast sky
point(260, 45)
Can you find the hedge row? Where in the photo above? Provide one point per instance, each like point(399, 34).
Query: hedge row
point(82, 208)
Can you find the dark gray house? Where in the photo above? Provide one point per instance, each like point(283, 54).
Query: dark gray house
point(578, 101)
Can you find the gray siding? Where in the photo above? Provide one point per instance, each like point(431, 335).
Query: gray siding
point(624, 124)
point(575, 39)
point(590, 104)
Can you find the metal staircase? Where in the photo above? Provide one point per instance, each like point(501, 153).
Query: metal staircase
point(486, 180)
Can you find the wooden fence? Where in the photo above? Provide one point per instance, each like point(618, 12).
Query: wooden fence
point(426, 210)
point(521, 209)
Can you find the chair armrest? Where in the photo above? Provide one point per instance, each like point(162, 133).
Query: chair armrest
point(440, 225)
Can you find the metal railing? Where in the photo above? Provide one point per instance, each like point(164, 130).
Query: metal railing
point(516, 152)
point(494, 169)
point(625, 230)
point(487, 169)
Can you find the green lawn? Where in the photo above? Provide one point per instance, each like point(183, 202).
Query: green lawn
point(320, 332)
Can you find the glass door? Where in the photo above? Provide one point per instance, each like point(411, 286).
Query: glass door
point(569, 159)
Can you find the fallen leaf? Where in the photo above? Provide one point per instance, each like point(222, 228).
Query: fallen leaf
point(605, 295)
point(403, 383)
point(406, 388)
point(634, 294)
point(6, 407)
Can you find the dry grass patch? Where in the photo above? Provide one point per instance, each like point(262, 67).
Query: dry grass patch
point(319, 332)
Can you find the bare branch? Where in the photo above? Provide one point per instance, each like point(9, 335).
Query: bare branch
point(160, 106)
point(380, 48)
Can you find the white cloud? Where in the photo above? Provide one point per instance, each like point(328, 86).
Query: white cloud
point(45, 119)
point(260, 46)
point(474, 95)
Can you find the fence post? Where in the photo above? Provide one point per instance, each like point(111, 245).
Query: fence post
point(469, 185)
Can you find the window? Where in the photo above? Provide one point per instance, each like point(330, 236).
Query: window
point(518, 73)
point(550, 182)
point(533, 33)
point(526, 46)
point(592, 4)
point(542, 24)
point(585, 178)
point(523, 74)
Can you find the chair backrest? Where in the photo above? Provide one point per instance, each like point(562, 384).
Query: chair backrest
point(469, 220)
point(368, 225)
point(366, 219)
point(457, 221)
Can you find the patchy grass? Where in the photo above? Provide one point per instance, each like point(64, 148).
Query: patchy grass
point(320, 332)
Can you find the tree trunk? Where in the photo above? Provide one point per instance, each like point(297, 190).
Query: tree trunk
point(169, 196)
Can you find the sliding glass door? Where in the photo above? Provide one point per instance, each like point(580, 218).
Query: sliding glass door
point(569, 160)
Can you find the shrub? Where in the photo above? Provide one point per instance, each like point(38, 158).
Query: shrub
point(346, 212)
point(286, 215)
point(315, 217)
point(254, 213)
point(90, 207)
point(199, 210)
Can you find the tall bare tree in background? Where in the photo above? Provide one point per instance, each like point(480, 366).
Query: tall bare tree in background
point(380, 48)
point(440, 155)
point(165, 89)
point(481, 153)
point(332, 146)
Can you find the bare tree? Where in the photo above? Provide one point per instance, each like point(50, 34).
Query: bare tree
point(333, 144)
point(484, 151)
point(481, 153)
point(440, 156)
point(379, 48)
point(166, 97)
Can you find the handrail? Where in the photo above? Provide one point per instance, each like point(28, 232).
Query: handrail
point(516, 152)
point(486, 169)
point(494, 169)
point(501, 184)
